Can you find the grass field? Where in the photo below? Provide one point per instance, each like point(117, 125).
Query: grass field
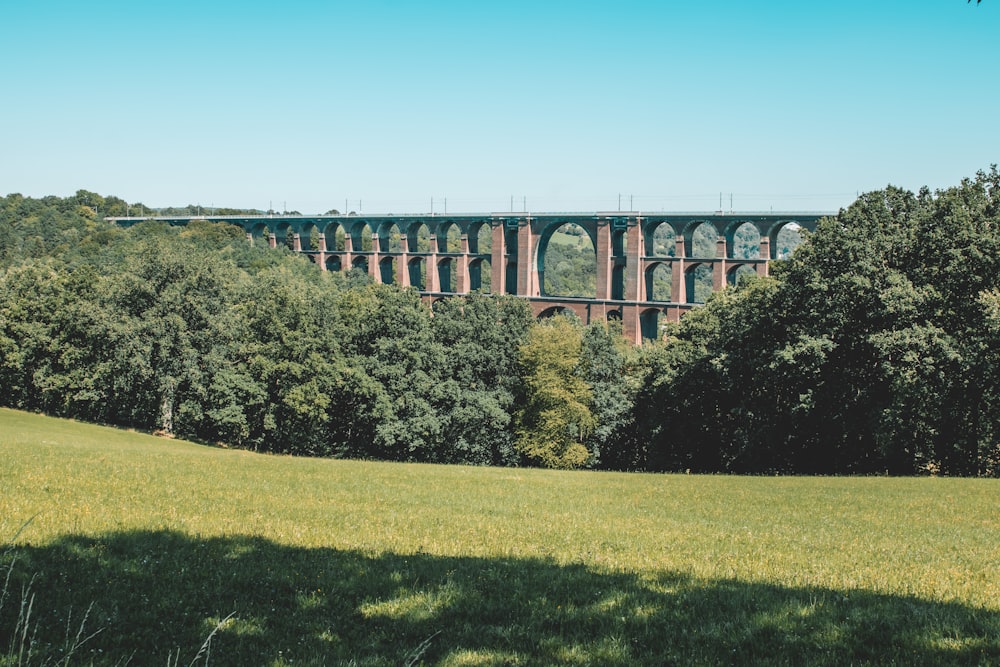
point(295, 561)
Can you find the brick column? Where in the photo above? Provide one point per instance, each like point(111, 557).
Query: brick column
point(433, 281)
point(633, 265)
point(374, 270)
point(462, 279)
point(765, 254)
point(527, 274)
point(678, 289)
point(719, 266)
point(604, 260)
point(403, 261)
point(631, 327)
point(347, 259)
point(321, 258)
point(498, 260)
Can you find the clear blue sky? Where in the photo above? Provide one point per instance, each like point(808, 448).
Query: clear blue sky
point(564, 105)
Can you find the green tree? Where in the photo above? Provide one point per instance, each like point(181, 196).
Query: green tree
point(608, 366)
point(554, 419)
point(868, 351)
point(481, 335)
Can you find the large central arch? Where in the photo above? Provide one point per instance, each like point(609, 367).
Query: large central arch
point(567, 261)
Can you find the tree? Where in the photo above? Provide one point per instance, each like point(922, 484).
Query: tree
point(607, 365)
point(554, 419)
point(870, 350)
point(481, 335)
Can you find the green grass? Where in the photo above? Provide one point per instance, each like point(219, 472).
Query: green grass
point(358, 563)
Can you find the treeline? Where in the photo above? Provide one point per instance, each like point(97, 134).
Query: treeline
point(875, 348)
point(191, 331)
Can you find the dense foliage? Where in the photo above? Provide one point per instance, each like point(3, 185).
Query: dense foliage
point(875, 348)
point(193, 332)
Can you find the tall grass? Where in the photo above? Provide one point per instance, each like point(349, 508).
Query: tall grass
point(348, 562)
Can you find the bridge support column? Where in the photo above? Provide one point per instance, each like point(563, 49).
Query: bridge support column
point(678, 274)
point(296, 242)
point(374, 270)
point(498, 260)
point(631, 324)
point(433, 278)
point(604, 261)
point(321, 257)
point(347, 260)
point(633, 267)
point(765, 253)
point(527, 272)
point(272, 240)
point(462, 280)
point(403, 262)
point(719, 265)
point(678, 281)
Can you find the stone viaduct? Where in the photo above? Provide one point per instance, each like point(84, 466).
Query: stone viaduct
point(647, 264)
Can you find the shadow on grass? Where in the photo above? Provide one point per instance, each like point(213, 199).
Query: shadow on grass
point(157, 592)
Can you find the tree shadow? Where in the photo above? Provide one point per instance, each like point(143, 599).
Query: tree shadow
point(155, 593)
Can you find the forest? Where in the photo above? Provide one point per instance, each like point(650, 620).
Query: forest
point(873, 349)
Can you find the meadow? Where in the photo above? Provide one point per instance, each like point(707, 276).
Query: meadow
point(171, 552)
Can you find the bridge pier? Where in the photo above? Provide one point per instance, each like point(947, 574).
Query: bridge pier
point(605, 268)
point(527, 274)
point(765, 253)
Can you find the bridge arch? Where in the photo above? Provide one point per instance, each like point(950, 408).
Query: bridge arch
point(361, 234)
point(259, 233)
point(568, 265)
point(661, 239)
point(449, 237)
point(480, 275)
point(700, 239)
point(650, 323)
point(389, 237)
point(480, 235)
point(416, 267)
point(309, 233)
point(284, 235)
point(736, 272)
point(699, 281)
point(336, 237)
point(575, 311)
point(784, 238)
point(447, 271)
point(418, 238)
point(743, 240)
point(387, 271)
point(659, 281)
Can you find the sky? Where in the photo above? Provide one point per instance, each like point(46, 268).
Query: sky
point(412, 107)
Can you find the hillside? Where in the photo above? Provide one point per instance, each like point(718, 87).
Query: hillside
point(349, 562)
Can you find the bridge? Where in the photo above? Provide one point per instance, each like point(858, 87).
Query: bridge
point(647, 263)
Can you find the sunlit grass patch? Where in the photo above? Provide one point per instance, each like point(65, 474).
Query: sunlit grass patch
point(349, 562)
